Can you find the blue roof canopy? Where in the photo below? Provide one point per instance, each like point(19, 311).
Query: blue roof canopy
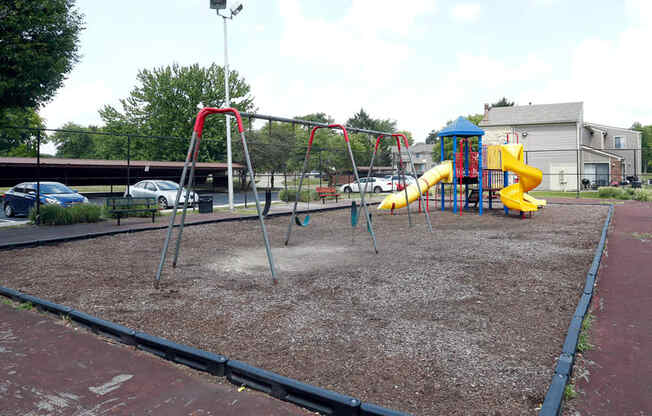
point(461, 127)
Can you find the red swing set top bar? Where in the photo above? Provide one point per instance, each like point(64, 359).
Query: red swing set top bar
point(330, 126)
point(397, 135)
point(201, 116)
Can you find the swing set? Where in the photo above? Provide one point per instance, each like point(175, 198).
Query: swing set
point(294, 219)
point(191, 160)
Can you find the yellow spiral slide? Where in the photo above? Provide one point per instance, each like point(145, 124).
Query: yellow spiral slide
point(514, 196)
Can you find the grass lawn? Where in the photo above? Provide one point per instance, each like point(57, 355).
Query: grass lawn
point(560, 194)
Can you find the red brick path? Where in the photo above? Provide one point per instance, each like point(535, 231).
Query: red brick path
point(620, 381)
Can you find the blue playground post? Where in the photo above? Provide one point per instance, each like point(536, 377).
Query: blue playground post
point(441, 141)
point(480, 173)
point(466, 172)
point(454, 175)
point(506, 184)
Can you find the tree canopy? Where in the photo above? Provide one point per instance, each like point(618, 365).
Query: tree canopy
point(19, 142)
point(646, 144)
point(38, 47)
point(77, 142)
point(503, 102)
point(165, 103)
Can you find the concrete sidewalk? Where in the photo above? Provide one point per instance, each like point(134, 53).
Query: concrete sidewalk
point(50, 367)
point(620, 365)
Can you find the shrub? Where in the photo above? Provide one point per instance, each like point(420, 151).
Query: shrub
point(625, 193)
point(642, 195)
point(609, 192)
point(306, 195)
point(57, 215)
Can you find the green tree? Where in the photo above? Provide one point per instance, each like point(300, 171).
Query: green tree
point(646, 144)
point(432, 137)
point(20, 142)
point(362, 120)
point(77, 142)
point(165, 103)
point(270, 148)
point(38, 47)
point(503, 102)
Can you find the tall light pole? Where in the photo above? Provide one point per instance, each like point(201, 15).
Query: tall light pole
point(237, 8)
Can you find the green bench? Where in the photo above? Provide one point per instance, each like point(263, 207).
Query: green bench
point(119, 207)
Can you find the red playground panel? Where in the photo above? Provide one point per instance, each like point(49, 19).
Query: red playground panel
point(473, 165)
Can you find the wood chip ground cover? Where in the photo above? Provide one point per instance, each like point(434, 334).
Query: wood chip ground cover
point(466, 320)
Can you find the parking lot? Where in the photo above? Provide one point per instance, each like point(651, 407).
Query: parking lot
point(219, 199)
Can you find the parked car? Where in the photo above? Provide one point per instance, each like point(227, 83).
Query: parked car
point(373, 185)
point(22, 197)
point(397, 182)
point(165, 193)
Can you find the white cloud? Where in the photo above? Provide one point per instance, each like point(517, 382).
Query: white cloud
point(611, 76)
point(359, 42)
point(85, 98)
point(465, 12)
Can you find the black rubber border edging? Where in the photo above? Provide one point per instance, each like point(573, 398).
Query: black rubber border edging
point(313, 398)
point(564, 369)
point(87, 236)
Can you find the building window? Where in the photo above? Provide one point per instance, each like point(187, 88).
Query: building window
point(619, 142)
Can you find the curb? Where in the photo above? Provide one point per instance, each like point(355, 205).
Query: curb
point(88, 236)
point(564, 369)
point(304, 395)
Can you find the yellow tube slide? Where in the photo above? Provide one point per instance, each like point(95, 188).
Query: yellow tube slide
point(513, 196)
point(443, 171)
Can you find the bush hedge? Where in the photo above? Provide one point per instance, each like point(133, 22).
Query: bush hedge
point(306, 195)
point(624, 193)
point(58, 215)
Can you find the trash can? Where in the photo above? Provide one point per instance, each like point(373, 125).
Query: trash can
point(205, 204)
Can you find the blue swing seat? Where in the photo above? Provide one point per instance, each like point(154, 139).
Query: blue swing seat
point(303, 223)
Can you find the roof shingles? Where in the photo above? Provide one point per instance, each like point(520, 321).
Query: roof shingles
point(534, 114)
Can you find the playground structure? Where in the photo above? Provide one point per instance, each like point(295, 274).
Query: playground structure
point(478, 172)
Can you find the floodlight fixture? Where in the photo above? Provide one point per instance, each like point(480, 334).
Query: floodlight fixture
point(237, 8)
point(218, 4)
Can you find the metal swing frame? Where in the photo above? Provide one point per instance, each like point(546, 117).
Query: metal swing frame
point(191, 159)
point(355, 171)
point(398, 137)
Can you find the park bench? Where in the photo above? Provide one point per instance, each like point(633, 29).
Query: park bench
point(327, 193)
point(119, 207)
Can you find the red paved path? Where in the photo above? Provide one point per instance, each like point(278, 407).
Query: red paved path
point(49, 369)
point(620, 382)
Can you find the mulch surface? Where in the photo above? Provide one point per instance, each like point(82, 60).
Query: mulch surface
point(616, 376)
point(467, 320)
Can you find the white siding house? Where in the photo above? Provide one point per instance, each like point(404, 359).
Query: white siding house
point(557, 141)
point(421, 156)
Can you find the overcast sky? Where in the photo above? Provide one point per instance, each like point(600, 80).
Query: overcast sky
point(418, 62)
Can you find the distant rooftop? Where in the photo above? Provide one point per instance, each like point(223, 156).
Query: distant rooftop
point(533, 114)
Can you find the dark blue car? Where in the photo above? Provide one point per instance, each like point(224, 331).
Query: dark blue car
point(20, 199)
